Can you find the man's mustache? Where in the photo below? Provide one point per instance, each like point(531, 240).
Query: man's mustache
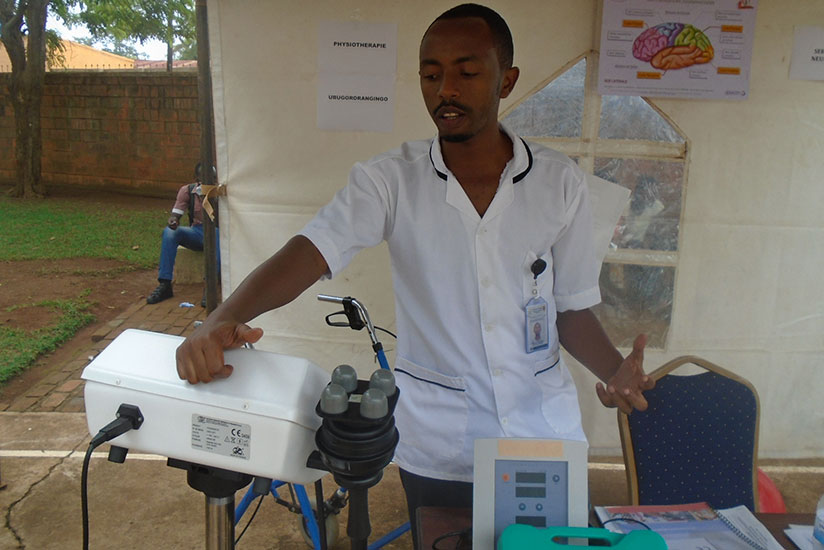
point(455, 104)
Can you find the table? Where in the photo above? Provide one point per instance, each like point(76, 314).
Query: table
point(433, 522)
point(776, 523)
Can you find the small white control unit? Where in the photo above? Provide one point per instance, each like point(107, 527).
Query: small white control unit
point(259, 421)
point(539, 482)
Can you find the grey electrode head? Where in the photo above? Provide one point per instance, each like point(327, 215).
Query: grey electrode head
point(374, 404)
point(345, 375)
point(334, 399)
point(383, 379)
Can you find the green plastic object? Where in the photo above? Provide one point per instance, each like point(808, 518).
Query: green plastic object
point(518, 537)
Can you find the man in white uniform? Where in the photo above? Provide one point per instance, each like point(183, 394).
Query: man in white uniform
point(487, 233)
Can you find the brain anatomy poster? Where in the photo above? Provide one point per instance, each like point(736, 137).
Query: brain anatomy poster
point(676, 48)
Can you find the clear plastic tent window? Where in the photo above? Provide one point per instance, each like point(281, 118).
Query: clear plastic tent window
point(634, 145)
point(652, 218)
point(631, 117)
point(556, 110)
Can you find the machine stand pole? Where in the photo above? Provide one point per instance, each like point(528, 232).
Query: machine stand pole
point(219, 486)
point(358, 527)
point(220, 523)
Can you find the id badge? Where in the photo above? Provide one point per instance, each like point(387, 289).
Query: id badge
point(537, 321)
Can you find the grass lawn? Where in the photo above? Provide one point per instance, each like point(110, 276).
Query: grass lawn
point(64, 227)
point(56, 228)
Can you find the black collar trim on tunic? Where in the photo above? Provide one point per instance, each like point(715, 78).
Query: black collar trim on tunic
point(523, 174)
point(516, 179)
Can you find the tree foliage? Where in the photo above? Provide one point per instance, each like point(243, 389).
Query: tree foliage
point(130, 21)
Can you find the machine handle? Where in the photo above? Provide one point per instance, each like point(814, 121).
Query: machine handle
point(350, 305)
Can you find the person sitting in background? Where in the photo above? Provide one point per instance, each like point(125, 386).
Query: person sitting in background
point(188, 201)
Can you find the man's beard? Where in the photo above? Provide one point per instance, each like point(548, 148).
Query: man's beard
point(453, 138)
point(457, 138)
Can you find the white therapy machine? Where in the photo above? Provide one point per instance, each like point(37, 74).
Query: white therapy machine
point(278, 419)
point(260, 421)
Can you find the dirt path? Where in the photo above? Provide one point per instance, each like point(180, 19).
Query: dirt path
point(112, 286)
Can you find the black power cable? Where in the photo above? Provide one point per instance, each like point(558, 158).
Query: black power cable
point(248, 523)
point(462, 542)
point(630, 520)
point(392, 334)
point(128, 418)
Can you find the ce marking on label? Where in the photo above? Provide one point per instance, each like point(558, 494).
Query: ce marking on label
point(237, 433)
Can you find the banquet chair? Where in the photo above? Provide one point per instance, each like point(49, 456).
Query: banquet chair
point(696, 442)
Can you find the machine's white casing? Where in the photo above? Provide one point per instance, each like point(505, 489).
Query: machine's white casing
point(505, 455)
point(261, 420)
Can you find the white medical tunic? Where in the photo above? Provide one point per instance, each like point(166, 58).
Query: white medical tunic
point(461, 283)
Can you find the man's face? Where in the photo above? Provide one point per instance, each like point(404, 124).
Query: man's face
point(461, 78)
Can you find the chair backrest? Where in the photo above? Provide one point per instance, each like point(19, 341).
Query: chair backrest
point(696, 442)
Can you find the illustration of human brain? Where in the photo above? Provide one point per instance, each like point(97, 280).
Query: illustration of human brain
point(672, 46)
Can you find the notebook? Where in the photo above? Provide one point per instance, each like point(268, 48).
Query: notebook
point(695, 526)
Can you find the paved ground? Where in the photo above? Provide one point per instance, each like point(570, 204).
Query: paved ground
point(145, 504)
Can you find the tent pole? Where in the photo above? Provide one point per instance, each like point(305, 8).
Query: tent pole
point(207, 157)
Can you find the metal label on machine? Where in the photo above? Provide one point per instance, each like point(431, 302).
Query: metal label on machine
point(221, 437)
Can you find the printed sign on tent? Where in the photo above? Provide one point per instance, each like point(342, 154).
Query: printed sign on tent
point(808, 54)
point(357, 62)
point(677, 48)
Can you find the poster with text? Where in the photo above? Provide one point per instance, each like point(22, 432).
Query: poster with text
point(357, 62)
point(808, 53)
point(677, 48)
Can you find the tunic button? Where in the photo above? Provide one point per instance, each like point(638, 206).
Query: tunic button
point(485, 282)
point(496, 372)
point(488, 327)
point(504, 421)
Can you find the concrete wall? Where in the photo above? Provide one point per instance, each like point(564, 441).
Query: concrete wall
point(127, 131)
point(747, 295)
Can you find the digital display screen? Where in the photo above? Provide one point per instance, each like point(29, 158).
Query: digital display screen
point(533, 492)
point(530, 492)
point(535, 521)
point(530, 477)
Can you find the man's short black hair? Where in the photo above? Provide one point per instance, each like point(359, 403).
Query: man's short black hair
point(500, 30)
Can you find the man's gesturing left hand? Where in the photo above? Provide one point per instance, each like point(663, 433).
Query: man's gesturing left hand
point(624, 389)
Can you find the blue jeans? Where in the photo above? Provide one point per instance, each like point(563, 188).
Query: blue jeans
point(189, 237)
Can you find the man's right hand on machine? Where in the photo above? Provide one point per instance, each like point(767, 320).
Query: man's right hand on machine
point(274, 283)
point(200, 356)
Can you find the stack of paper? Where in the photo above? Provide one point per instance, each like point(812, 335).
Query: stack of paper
point(801, 535)
point(694, 526)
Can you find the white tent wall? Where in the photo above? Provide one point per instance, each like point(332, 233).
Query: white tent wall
point(749, 292)
point(752, 246)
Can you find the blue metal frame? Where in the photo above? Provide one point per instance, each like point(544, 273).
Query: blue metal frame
point(306, 511)
point(303, 500)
